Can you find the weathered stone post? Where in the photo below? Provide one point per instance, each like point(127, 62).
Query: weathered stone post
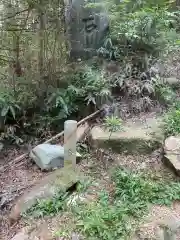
point(168, 234)
point(169, 228)
point(70, 131)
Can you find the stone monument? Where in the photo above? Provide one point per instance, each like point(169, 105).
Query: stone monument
point(86, 27)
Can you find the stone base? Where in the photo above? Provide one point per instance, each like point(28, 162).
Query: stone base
point(59, 180)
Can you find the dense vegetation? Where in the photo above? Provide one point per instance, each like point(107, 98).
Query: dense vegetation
point(39, 86)
point(111, 216)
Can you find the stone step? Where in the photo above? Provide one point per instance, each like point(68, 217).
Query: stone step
point(137, 137)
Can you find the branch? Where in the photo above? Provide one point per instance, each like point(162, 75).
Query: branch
point(20, 158)
point(17, 13)
point(18, 29)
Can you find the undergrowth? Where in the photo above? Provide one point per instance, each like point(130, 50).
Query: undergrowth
point(47, 207)
point(118, 218)
point(172, 121)
point(51, 207)
point(114, 215)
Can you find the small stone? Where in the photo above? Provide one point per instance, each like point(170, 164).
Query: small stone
point(172, 153)
point(173, 81)
point(48, 156)
point(75, 236)
point(172, 144)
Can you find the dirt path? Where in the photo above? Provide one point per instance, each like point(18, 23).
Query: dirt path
point(13, 181)
point(158, 215)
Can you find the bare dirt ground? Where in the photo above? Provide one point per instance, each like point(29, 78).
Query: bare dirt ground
point(14, 179)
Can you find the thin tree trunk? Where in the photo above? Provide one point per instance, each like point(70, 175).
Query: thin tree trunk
point(41, 39)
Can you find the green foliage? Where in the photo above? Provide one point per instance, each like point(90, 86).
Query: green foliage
point(139, 28)
point(172, 122)
point(87, 87)
point(63, 102)
point(48, 207)
point(137, 190)
point(10, 133)
point(51, 207)
point(97, 87)
point(165, 94)
point(8, 105)
point(113, 124)
point(110, 219)
point(62, 234)
point(83, 185)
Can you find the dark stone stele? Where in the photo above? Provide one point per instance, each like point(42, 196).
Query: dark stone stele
point(86, 27)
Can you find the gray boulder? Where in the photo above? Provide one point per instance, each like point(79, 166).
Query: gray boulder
point(86, 27)
point(48, 156)
point(172, 153)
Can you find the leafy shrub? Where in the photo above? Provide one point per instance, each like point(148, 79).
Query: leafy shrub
point(135, 189)
point(165, 94)
point(172, 122)
point(113, 124)
point(141, 27)
point(8, 105)
point(87, 87)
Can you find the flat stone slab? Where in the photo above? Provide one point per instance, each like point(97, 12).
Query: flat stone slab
point(136, 137)
point(172, 81)
point(172, 153)
point(59, 180)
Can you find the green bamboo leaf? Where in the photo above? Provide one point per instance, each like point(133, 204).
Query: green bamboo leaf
point(4, 111)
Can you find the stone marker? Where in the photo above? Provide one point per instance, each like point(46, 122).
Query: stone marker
point(48, 156)
point(172, 153)
point(59, 180)
point(87, 27)
point(170, 226)
point(70, 138)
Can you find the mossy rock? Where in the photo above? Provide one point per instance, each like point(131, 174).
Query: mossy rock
point(58, 181)
point(133, 139)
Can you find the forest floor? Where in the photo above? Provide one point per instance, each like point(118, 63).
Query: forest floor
point(96, 168)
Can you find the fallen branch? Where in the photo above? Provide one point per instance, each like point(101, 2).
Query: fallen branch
point(13, 15)
point(78, 124)
point(23, 156)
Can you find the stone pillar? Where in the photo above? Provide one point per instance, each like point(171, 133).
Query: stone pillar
point(70, 138)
